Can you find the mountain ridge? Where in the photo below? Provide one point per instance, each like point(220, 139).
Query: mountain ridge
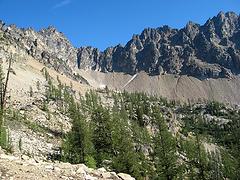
point(211, 50)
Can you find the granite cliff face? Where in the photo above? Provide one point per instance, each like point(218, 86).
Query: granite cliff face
point(208, 51)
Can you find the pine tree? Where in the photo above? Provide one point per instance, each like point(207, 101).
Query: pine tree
point(30, 91)
point(38, 85)
point(102, 133)
point(3, 92)
point(216, 166)
point(164, 149)
point(197, 163)
point(126, 158)
point(229, 163)
point(236, 143)
point(78, 146)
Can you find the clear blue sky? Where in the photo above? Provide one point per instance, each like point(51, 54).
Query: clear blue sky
point(103, 23)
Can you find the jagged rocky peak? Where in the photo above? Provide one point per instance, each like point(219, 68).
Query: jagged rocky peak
point(227, 17)
point(225, 24)
point(135, 43)
point(207, 51)
point(211, 50)
point(150, 34)
point(47, 45)
point(52, 33)
point(191, 29)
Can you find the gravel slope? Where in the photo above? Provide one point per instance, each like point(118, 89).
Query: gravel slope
point(183, 88)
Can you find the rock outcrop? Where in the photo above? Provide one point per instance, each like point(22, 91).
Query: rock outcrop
point(24, 167)
point(204, 51)
point(47, 45)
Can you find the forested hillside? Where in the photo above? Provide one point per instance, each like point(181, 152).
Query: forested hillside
point(148, 137)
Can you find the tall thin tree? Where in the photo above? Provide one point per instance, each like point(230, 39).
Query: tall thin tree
point(3, 89)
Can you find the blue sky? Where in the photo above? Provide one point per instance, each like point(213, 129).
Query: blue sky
point(103, 23)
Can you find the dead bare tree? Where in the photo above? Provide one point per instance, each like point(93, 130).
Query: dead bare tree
point(3, 88)
point(6, 82)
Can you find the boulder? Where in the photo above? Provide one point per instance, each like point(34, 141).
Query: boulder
point(124, 176)
point(102, 170)
point(25, 157)
point(49, 167)
point(110, 175)
point(88, 177)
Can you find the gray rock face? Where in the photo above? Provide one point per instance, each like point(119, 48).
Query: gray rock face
point(208, 51)
point(48, 46)
point(88, 58)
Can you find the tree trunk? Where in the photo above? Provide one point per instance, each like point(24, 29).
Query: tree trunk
point(3, 103)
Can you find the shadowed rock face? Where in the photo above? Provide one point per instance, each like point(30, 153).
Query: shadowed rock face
point(208, 51)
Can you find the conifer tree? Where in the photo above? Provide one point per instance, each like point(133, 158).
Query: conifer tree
point(164, 149)
point(78, 146)
point(4, 84)
point(126, 158)
point(102, 133)
point(1, 92)
point(31, 91)
point(198, 163)
point(216, 166)
point(229, 164)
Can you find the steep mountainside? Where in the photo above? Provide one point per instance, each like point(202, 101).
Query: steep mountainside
point(208, 51)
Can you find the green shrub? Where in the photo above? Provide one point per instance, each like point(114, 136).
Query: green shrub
point(90, 162)
point(4, 139)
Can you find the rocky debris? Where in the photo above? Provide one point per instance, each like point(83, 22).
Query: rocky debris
point(33, 130)
point(218, 120)
point(33, 133)
point(28, 142)
point(204, 51)
point(12, 167)
point(34, 137)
